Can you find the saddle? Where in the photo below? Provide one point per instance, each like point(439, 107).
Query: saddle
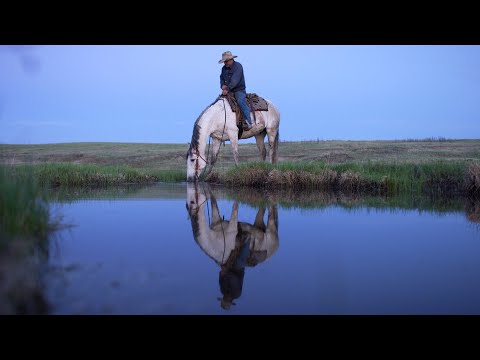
point(254, 102)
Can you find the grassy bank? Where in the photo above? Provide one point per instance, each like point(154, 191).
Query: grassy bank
point(373, 167)
point(68, 174)
point(436, 177)
point(23, 209)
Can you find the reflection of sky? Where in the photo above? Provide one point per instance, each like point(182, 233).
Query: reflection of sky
point(139, 256)
point(369, 261)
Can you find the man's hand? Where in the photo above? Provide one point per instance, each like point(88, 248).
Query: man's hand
point(224, 92)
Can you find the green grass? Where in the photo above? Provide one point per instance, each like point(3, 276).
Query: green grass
point(24, 210)
point(67, 174)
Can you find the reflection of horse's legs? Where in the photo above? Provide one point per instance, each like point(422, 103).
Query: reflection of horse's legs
point(273, 144)
point(272, 222)
point(233, 136)
point(261, 145)
point(259, 223)
point(232, 225)
point(215, 149)
point(215, 213)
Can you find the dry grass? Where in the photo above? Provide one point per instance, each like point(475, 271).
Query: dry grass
point(473, 179)
point(172, 156)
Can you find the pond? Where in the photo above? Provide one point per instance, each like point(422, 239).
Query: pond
point(199, 249)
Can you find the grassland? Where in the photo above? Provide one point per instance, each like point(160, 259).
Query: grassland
point(172, 156)
point(365, 166)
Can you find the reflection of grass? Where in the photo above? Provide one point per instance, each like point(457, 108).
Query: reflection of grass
point(313, 199)
point(472, 208)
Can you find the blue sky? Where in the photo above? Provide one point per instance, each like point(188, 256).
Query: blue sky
point(153, 94)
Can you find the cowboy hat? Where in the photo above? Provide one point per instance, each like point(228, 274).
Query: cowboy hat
point(227, 55)
point(225, 303)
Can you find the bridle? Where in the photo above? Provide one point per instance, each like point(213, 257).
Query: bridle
point(197, 165)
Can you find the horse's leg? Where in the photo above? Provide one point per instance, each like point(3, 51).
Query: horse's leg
point(215, 149)
point(233, 136)
point(273, 143)
point(261, 145)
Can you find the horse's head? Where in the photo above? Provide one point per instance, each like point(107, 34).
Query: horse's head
point(195, 163)
point(195, 198)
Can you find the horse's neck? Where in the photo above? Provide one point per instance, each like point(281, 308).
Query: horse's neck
point(205, 125)
point(218, 239)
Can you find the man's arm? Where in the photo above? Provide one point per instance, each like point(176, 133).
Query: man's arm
point(223, 86)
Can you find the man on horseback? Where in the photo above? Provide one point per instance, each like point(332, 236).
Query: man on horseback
point(232, 80)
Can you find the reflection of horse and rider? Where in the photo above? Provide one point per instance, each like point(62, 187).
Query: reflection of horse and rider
point(232, 244)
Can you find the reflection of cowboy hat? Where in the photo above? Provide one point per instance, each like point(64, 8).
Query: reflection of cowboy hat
point(225, 303)
point(227, 55)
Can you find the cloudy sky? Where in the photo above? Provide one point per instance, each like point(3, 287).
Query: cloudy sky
point(137, 93)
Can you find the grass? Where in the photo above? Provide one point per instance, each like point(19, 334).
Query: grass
point(172, 156)
point(374, 167)
point(68, 174)
point(23, 207)
point(438, 177)
point(25, 223)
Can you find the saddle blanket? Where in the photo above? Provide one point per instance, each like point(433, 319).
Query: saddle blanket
point(259, 103)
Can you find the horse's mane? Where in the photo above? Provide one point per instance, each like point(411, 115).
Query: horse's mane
point(196, 130)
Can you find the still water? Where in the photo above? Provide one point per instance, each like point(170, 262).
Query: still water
point(184, 249)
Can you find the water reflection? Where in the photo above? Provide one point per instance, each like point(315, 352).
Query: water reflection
point(132, 252)
point(21, 285)
point(232, 244)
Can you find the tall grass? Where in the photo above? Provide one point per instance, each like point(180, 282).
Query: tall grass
point(68, 174)
point(24, 210)
point(438, 177)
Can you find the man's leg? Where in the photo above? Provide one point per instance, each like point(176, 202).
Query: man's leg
point(242, 102)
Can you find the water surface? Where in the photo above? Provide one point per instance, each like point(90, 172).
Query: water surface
point(178, 249)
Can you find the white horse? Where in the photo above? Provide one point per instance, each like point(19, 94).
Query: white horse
point(219, 238)
point(219, 122)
